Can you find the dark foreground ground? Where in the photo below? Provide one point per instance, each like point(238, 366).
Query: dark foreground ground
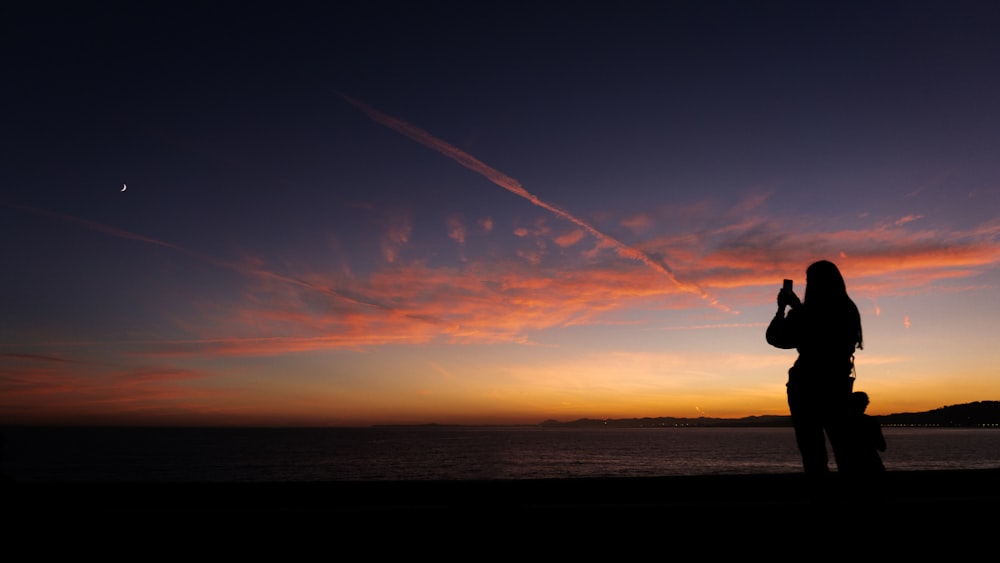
point(967, 489)
point(906, 512)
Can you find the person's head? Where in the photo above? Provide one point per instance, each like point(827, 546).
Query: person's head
point(826, 291)
point(824, 283)
point(859, 400)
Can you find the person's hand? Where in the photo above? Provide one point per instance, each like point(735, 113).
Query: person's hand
point(793, 301)
point(788, 299)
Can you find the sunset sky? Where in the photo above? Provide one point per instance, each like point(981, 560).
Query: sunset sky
point(488, 212)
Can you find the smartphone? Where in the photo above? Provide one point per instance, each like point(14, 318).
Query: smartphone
point(787, 287)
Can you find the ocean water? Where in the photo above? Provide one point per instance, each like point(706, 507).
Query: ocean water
point(446, 453)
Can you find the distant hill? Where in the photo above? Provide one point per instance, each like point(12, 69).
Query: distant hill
point(977, 414)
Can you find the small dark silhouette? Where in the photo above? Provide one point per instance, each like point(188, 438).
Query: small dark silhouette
point(863, 440)
point(825, 328)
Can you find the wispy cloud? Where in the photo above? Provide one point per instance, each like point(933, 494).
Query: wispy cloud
point(908, 219)
point(570, 238)
point(456, 229)
point(94, 226)
point(486, 300)
point(510, 301)
point(486, 224)
point(394, 238)
point(515, 187)
point(61, 392)
point(499, 299)
point(40, 358)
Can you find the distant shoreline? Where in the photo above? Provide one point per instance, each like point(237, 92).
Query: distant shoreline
point(979, 414)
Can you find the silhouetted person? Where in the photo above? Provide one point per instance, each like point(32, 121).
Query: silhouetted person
point(863, 440)
point(825, 328)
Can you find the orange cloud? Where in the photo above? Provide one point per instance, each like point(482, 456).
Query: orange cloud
point(883, 259)
point(570, 238)
point(65, 392)
point(510, 184)
point(484, 303)
point(490, 301)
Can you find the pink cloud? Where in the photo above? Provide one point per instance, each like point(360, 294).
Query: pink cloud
point(638, 223)
point(456, 229)
point(570, 238)
point(485, 302)
point(489, 300)
point(908, 219)
point(395, 237)
point(510, 184)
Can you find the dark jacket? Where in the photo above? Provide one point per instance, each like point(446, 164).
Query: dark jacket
point(825, 338)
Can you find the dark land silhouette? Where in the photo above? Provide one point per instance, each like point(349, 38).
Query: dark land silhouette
point(966, 415)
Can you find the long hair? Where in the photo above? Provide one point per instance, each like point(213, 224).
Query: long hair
point(826, 290)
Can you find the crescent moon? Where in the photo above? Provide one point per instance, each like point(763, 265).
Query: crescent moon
point(123, 187)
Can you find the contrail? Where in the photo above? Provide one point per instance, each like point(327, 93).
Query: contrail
point(230, 265)
point(513, 186)
point(41, 357)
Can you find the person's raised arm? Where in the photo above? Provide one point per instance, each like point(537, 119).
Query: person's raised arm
point(780, 332)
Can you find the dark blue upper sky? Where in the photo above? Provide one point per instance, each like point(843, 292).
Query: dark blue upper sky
point(724, 144)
